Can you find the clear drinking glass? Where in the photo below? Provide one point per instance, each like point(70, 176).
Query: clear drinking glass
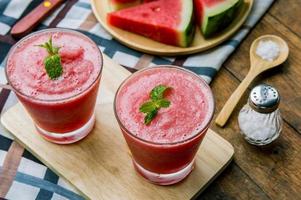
point(165, 163)
point(61, 120)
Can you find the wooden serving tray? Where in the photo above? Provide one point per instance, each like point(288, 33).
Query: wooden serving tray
point(140, 43)
point(100, 166)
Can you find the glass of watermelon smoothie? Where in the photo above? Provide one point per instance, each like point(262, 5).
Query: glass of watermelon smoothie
point(62, 108)
point(163, 151)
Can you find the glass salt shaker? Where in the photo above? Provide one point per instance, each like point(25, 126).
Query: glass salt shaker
point(260, 120)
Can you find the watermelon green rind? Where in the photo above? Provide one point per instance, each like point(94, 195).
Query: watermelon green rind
point(219, 17)
point(186, 26)
point(189, 34)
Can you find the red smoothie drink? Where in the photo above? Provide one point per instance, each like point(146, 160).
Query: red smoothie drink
point(62, 107)
point(164, 149)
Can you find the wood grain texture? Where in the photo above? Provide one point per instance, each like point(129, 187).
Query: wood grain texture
point(100, 166)
point(287, 78)
point(258, 65)
point(233, 183)
point(276, 168)
point(288, 15)
point(101, 8)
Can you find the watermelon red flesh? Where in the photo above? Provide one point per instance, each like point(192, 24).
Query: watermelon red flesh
point(166, 21)
point(215, 15)
point(121, 4)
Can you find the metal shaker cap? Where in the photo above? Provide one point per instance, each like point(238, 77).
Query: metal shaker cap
point(264, 98)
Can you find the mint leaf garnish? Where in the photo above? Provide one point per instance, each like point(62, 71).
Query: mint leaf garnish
point(157, 101)
point(150, 116)
point(147, 107)
point(52, 62)
point(163, 103)
point(158, 92)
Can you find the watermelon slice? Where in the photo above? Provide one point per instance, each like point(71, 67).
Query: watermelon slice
point(121, 4)
point(166, 21)
point(215, 15)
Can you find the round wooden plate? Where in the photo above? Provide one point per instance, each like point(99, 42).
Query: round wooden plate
point(140, 43)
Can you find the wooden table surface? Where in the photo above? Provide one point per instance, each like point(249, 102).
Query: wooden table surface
point(273, 172)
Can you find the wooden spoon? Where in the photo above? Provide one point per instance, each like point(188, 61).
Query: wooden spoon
point(258, 65)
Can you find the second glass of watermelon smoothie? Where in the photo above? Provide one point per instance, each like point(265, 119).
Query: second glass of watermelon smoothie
point(63, 108)
point(164, 150)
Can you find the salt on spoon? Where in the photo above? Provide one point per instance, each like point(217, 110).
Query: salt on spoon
point(268, 50)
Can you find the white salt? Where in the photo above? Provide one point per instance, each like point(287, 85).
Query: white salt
point(259, 127)
point(268, 50)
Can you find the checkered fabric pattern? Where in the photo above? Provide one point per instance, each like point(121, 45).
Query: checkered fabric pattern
point(24, 177)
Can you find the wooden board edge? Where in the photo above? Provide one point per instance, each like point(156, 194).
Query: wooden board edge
point(229, 160)
point(185, 51)
point(3, 122)
point(213, 178)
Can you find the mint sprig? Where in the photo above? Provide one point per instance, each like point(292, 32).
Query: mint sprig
point(52, 62)
point(157, 101)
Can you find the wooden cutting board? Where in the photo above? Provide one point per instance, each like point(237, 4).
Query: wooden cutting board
point(100, 166)
point(144, 44)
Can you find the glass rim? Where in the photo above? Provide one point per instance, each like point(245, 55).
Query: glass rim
point(203, 126)
point(53, 30)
